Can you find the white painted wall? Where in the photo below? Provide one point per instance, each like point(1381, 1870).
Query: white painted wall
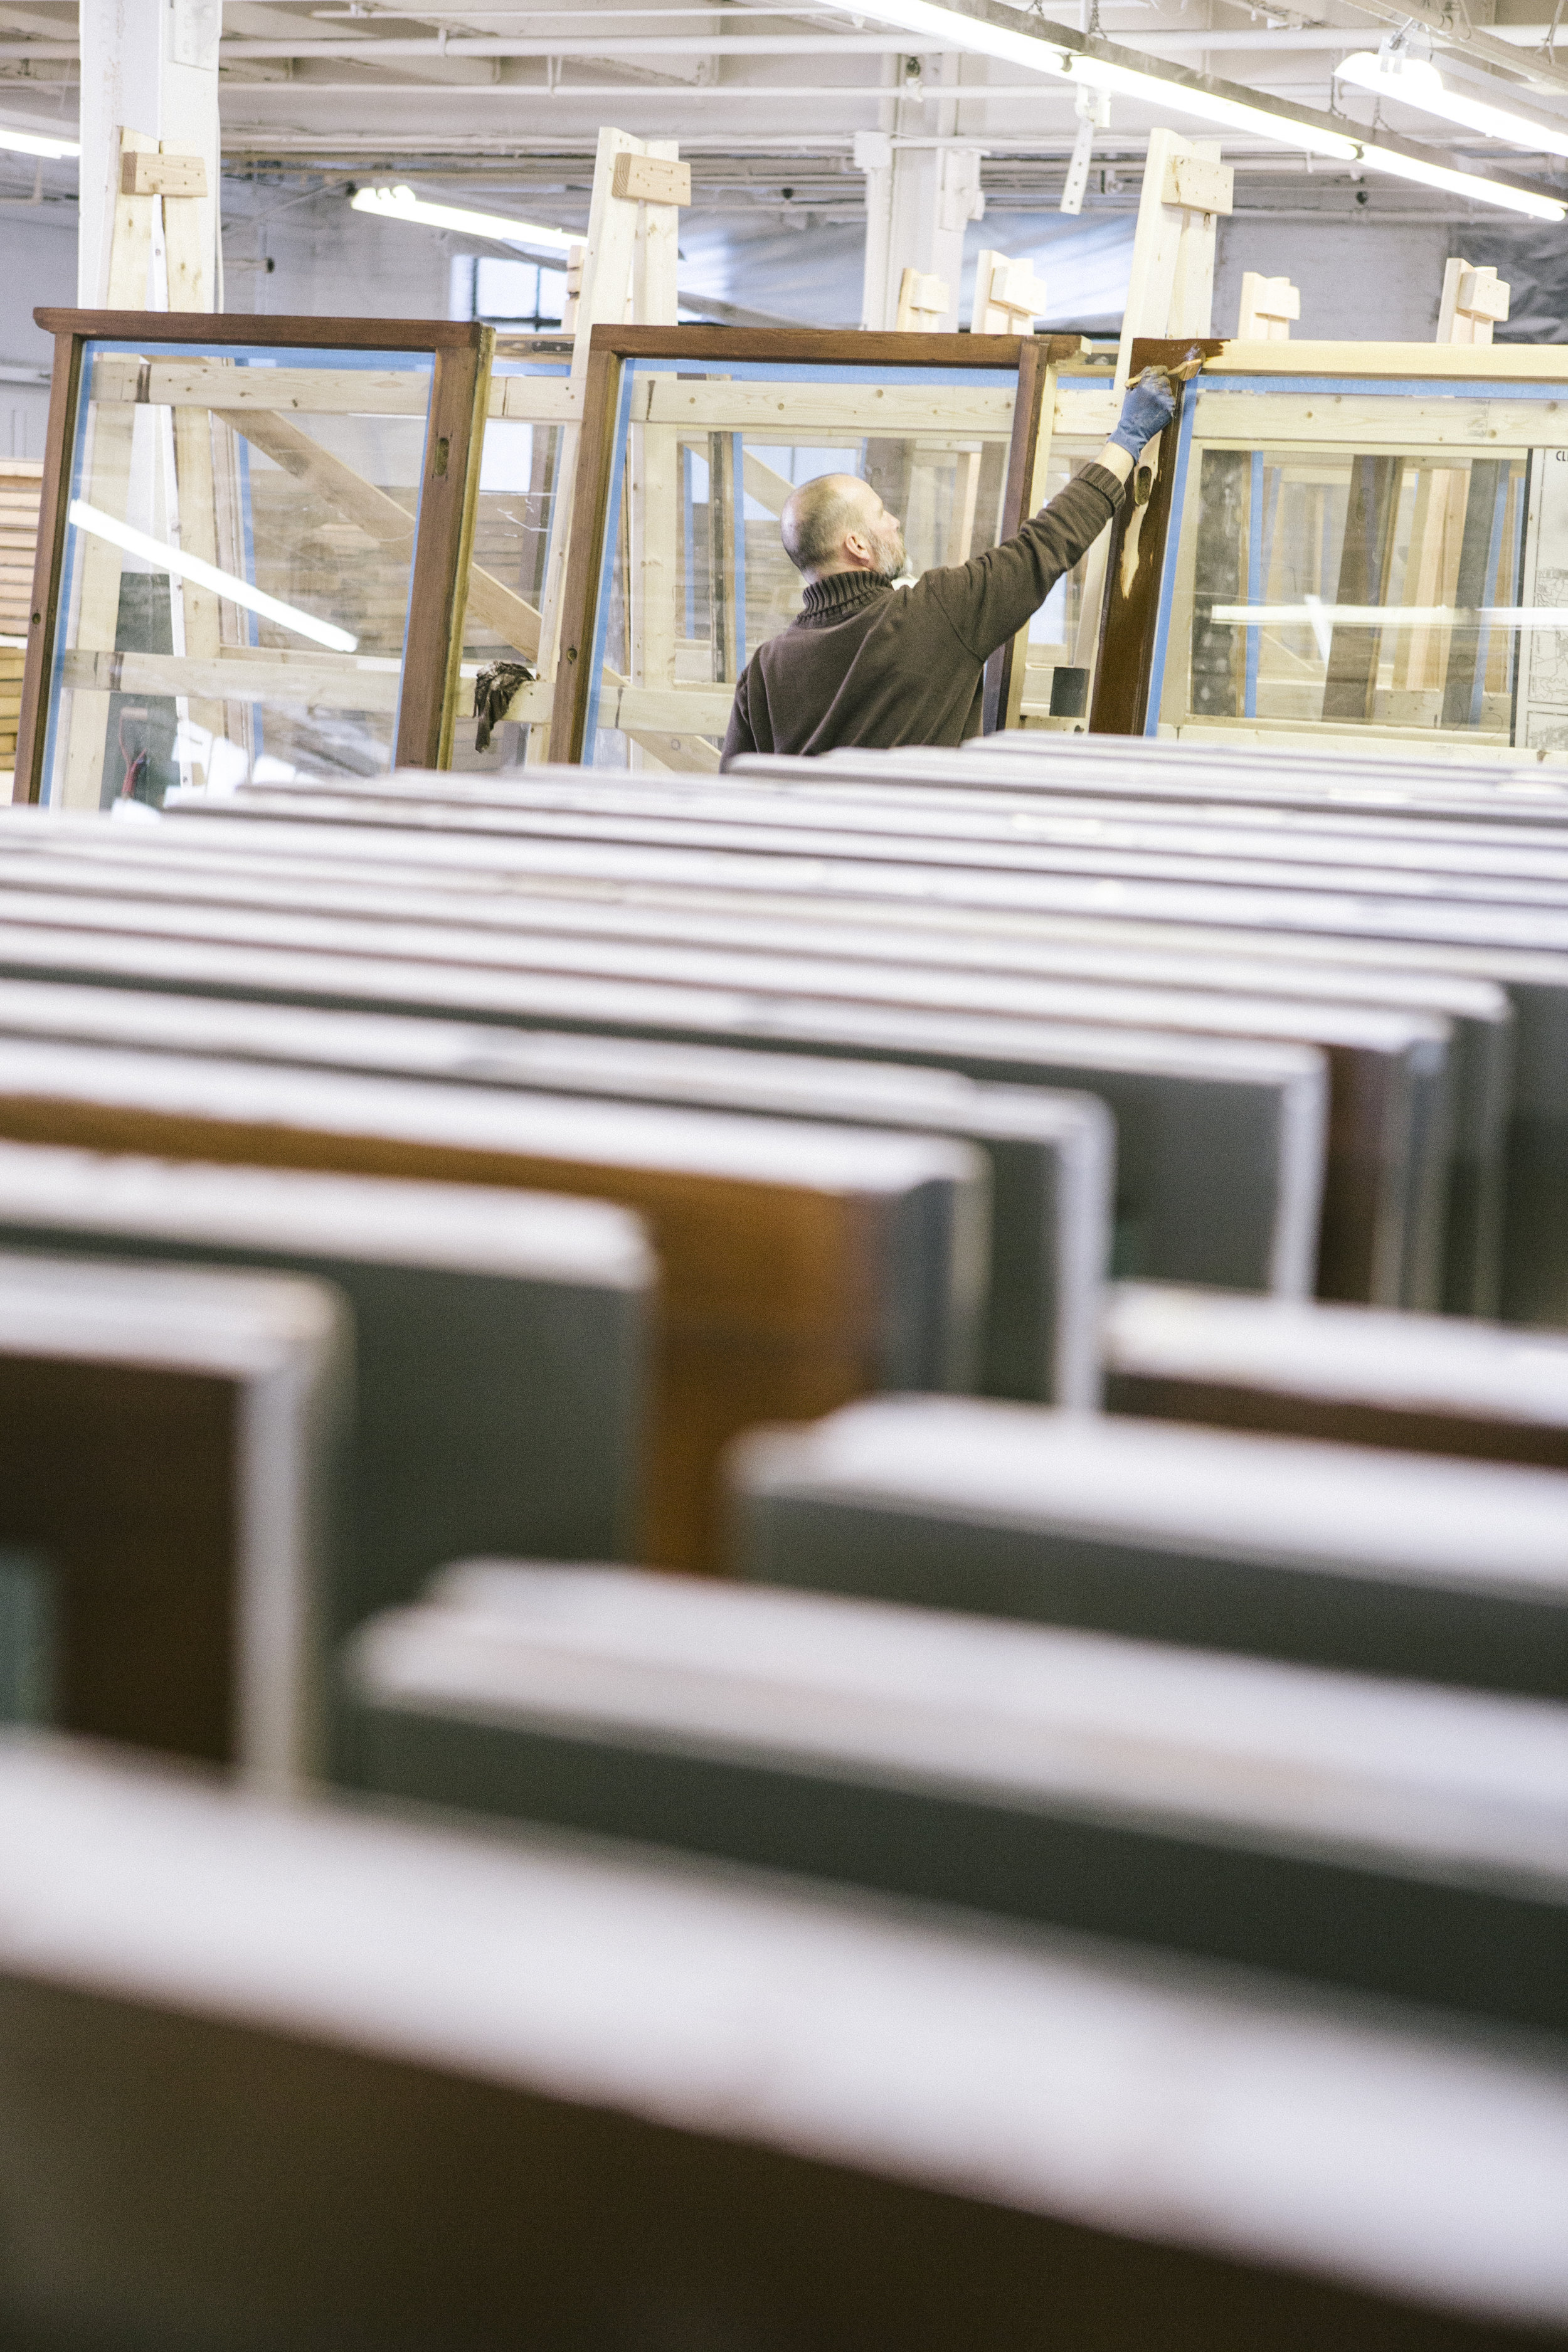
point(41, 271)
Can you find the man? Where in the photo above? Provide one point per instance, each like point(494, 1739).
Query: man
point(865, 662)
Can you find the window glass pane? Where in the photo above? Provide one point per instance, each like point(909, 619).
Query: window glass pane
point(238, 564)
point(694, 576)
point(1386, 564)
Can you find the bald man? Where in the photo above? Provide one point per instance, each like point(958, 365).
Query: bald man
point(867, 663)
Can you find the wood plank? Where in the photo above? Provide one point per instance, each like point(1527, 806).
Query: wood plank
point(697, 709)
point(1496, 363)
point(1087, 416)
point(537, 399)
point(1420, 1384)
point(1049, 1155)
point(806, 412)
point(1412, 424)
point(784, 1730)
point(339, 685)
point(443, 554)
point(500, 1343)
point(831, 346)
point(220, 384)
point(43, 614)
point(1278, 2166)
point(768, 487)
point(1427, 1571)
point(1221, 1139)
point(605, 297)
point(654, 511)
point(274, 331)
point(781, 1246)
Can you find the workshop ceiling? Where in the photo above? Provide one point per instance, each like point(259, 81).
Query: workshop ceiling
point(765, 102)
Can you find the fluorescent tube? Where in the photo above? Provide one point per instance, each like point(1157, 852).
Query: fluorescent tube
point(30, 143)
point(207, 575)
point(1416, 83)
point(1461, 183)
point(401, 204)
point(954, 28)
point(1204, 106)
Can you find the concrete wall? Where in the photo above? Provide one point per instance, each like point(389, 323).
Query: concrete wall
point(1358, 279)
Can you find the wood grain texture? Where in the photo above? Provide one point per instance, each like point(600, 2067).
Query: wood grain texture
point(771, 1294)
point(265, 330)
point(1131, 614)
point(124, 1478)
point(65, 392)
point(443, 546)
point(1035, 376)
point(181, 2163)
point(1350, 1421)
point(834, 346)
point(589, 509)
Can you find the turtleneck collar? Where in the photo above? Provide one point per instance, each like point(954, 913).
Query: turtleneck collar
point(841, 594)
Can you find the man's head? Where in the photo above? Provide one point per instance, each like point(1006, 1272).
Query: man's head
point(837, 523)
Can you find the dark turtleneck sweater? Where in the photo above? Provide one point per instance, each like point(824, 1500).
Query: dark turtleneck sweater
point(867, 663)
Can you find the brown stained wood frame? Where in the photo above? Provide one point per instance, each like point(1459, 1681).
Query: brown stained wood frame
point(1129, 618)
point(49, 558)
point(123, 1478)
point(1283, 1411)
point(841, 346)
point(1033, 374)
point(443, 537)
point(443, 543)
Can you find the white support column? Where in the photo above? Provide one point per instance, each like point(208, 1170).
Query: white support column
point(874, 156)
point(149, 66)
point(934, 195)
point(922, 193)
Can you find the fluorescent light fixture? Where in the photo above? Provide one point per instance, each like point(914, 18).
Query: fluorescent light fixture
point(952, 27)
point(1416, 83)
point(401, 204)
point(1206, 105)
point(207, 575)
point(30, 142)
point(1462, 183)
point(1179, 95)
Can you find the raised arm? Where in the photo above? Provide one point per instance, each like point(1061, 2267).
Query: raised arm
point(993, 596)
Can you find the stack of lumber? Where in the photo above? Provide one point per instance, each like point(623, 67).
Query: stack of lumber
point(21, 488)
point(1069, 1244)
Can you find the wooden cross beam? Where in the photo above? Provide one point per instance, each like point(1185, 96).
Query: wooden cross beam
point(1268, 307)
point(922, 303)
point(1008, 296)
point(1474, 301)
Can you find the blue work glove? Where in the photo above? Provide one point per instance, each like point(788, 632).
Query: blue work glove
point(1149, 406)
